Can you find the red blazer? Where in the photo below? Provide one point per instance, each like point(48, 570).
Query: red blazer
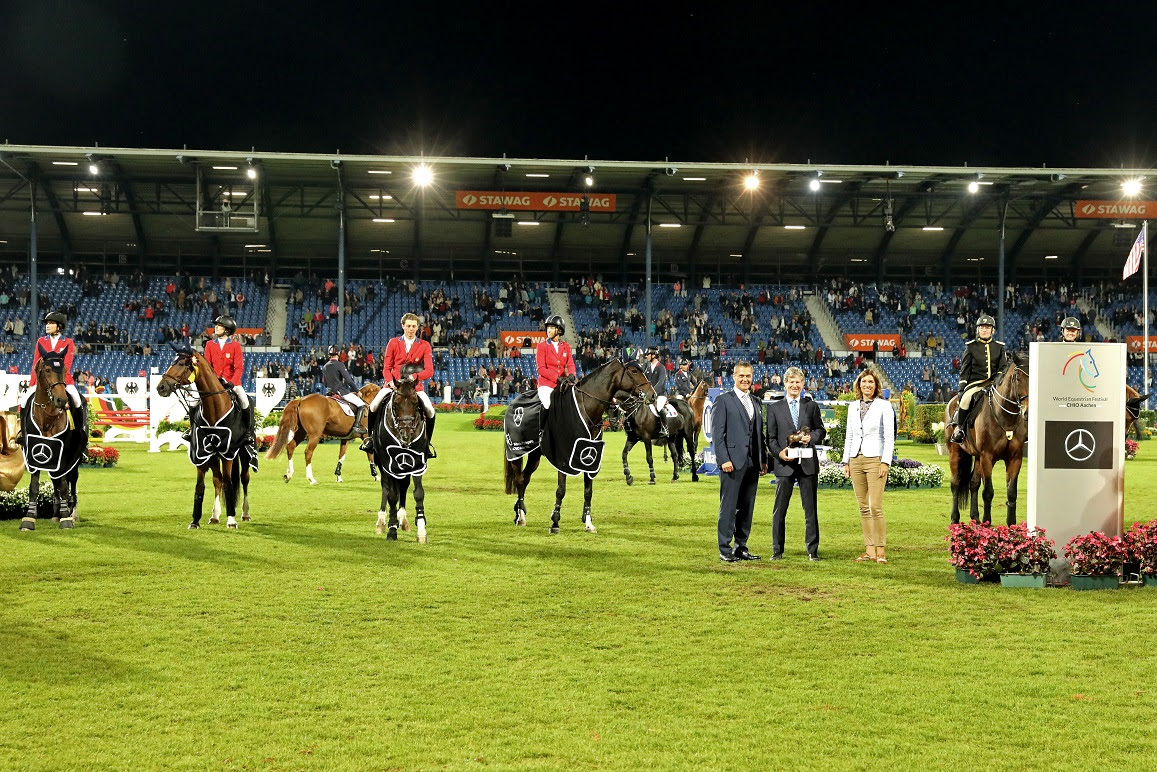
point(227, 361)
point(396, 356)
point(551, 365)
point(63, 346)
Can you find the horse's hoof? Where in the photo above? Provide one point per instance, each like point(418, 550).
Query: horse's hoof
point(422, 538)
point(67, 522)
point(630, 480)
point(194, 526)
point(652, 482)
point(591, 528)
point(28, 524)
point(214, 520)
point(285, 477)
point(233, 526)
point(245, 518)
point(313, 482)
point(392, 535)
point(339, 479)
point(555, 529)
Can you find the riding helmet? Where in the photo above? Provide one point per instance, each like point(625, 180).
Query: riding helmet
point(653, 351)
point(1071, 323)
point(985, 319)
point(334, 351)
point(55, 316)
point(556, 321)
point(227, 322)
point(684, 361)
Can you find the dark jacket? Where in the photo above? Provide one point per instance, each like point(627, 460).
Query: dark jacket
point(982, 361)
point(779, 428)
point(337, 377)
point(684, 383)
point(733, 435)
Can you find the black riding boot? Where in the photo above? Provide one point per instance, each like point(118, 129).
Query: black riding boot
point(80, 421)
point(194, 411)
point(430, 438)
point(357, 427)
point(368, 443)
point(958, 434)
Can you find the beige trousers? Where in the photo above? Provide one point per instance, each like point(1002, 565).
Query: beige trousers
point(869, 488)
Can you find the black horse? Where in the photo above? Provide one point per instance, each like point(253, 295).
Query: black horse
point(400, 450)
point(682, 434)
point(571, 438)
point(50, 444)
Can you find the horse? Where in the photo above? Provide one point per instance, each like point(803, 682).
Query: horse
point(1133, 402)
point(189, 371)
point(49, 444)
point(615, 381)
point(644, 425)
point(11, 455)
point(400, 450)
point(316, 416)
point(998, 433)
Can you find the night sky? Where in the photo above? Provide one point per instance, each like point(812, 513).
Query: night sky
point(689, 81)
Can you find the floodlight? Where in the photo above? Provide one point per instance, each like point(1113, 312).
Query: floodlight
point(814, 185)
point(93, 169)
point(974, 187)
point(423, 175)
point(1131, 187)
point(751, 181)
point(588, 180)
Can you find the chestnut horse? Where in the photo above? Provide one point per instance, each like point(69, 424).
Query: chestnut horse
point(315, 416)
point(998, 433)
point(47, 416)
point(11, 456)
point(685, 440)
point(615, 381)
point(189, 371)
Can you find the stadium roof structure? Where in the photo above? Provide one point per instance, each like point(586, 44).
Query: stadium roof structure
point(481, 218)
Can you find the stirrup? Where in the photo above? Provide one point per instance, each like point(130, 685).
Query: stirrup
point(430, 452)
point(367, 445)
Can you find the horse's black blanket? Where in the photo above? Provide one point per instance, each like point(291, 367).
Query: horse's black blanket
point(399, 460)
point(567, 441)
point(226, 438)
point(57, 455)
point(523, 425)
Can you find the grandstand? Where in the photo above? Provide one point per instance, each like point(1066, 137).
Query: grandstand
point(915, 246)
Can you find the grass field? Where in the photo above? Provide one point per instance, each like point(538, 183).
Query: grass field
point(305, 641)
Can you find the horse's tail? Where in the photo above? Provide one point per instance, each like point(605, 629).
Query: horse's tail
point(513, 470)
point(285, 429)
point(234, 486)
point(963, 490)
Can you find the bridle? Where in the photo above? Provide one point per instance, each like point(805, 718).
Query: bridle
point(184, 389)
point(48, 406)
point(1007, 405)
point(409, 424)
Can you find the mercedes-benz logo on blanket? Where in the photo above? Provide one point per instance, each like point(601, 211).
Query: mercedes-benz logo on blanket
point(268, 389)
point(405, 462)
point(518, 411)
point(1079, 444)
point(131, 387)
point(588, 456)
point(41, 453)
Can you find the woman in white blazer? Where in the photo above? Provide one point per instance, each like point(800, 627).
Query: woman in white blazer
point(868, 444)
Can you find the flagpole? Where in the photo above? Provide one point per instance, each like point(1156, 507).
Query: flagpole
point(1145, 299)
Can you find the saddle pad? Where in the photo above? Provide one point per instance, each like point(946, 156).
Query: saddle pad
point(346, 407)
point(522, 425)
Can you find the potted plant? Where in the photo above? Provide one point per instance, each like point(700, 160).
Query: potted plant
point(1096, 560)
point(1142, 542)
point(1024, 556)
point(939, 438)
point(974, 551)
point(1131, 449)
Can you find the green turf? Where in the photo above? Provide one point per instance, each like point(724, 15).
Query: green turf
point(305, 641)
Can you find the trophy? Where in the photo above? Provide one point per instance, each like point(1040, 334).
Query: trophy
point(798, 446)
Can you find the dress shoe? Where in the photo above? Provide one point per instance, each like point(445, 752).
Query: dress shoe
point(814, 557)
point(743, 554)
point(728, 557)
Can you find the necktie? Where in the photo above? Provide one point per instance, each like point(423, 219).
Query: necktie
point(746, 400)
point(795, 413)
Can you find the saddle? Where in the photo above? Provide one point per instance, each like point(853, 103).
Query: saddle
point(346, 407)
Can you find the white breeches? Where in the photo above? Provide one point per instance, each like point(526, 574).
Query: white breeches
point(242, 397)
point(70, 388)
point(423, 397)
point(354, 399)
point(544, 395)
point(661, 404)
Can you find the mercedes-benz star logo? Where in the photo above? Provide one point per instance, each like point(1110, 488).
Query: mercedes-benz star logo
point(518, 416)
point(41, 453)
point(1079, 444)
point(588, 456)
point(405, 462)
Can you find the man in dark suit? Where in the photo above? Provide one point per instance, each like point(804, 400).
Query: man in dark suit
point(737, 435)
point(785, 418)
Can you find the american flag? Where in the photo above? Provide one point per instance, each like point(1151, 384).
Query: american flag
point(1133, 261)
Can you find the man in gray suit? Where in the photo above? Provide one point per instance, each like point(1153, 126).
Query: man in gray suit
point(737, 434)
point(785, 421)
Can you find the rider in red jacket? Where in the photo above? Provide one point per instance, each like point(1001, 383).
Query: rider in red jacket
point(554, 359)
point(407, 349)
point(224, 355)
point(54, 341)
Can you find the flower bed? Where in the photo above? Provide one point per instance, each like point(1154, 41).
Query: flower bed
point(486, 423)
point(101, 456)
point(1142, 542)
point(975, 548)
point(13, 504)
point(1131, 447)
point(1096, 554)
point(454, 407)
point(905, 473)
